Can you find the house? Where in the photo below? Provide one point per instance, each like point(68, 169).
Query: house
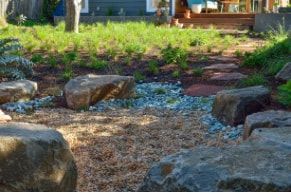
point(221, 13)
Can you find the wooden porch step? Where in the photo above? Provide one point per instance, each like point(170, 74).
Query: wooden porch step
point(218, 26)
point(217, 15)
point(239, 21)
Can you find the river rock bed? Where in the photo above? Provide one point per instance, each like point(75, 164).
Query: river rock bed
point(149, 95)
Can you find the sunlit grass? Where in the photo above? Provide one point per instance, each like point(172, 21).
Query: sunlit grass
point(130, 38)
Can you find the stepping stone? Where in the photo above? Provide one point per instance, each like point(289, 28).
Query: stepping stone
point(223, 58)
point(203, 90)
point(267, 119)
point(231, 107)
point(227, 76)
point(221, 66)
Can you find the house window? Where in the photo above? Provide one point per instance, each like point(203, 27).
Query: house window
point(85, 6)
point(152, 5)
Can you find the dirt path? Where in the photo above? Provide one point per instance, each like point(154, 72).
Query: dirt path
point(114, 150)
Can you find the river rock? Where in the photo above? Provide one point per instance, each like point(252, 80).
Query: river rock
point(231, 107)
point(267, 119)
point(87, 90)
point(21, 90)
point(259, 164)
point(35, 158)
point(285, 73)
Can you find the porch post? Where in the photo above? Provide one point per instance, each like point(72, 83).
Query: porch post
point(173, 5)
point(248, 6)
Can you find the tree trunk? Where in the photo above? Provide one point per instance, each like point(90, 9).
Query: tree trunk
point(3, 12)
point(73, 10)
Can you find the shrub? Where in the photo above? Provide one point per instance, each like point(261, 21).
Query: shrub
point(68, 74)
point(153, 67)
point(176, 74)
point(174, 55)
point(253, 80)
point(198, 72)
point(98, 64)
point(11, 65)
point(70, 57)
point(138, 76)
point(37, 58)
point(284, 94)
point(52, 61)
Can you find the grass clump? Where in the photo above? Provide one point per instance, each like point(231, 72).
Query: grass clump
point(98, 64)
point(271, 57)
point(253, 80)
point(198, 72)
point(160, 91)
point(176, 55)
point(176, 74)
point(153, 67)
point(284, 94)
point(138, 76)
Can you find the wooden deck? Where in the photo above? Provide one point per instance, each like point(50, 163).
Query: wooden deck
point(240, 21)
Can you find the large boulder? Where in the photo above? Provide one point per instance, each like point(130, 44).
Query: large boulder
point(285, 73)
point(20, 90)
point(84, 91)
point(267, 119)
point(35, 158)
point(232, 106)
point(260, 164)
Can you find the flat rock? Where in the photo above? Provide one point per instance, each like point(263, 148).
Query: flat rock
point(259, 164)
point(35, 158)
point(21, 90)
point(221, 76)
point(267, 119)
point(223, 58)
point(83, 91)
point(221, 66)
point(231, 107)
point(203, 90)
point(4, 117)
point(285, 73)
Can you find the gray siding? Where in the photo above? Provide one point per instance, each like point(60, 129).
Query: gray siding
point(130, 7)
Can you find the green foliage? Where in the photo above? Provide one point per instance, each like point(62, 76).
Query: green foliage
point(11, 65)
point(138, 76)
point(52, 61)
point(176, 74)
point(174, 55)
point(160, 91)
point(68, 73)
point(98, 64)
point(109, 11)
point(253, 80)
point(284, 94)
point(198, 72)
point(271, 57)
point(134, 38)
point(153, 67)
point(70, 57)
point(238, 53)
point(197, 42)
point(37, 58)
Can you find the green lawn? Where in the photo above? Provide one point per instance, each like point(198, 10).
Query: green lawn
point(115, 38)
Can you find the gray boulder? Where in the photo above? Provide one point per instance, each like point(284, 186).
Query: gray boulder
point(267, 119)
point(260, 164)
point(231, 107)
point(87, 90)
point(35, 158)
point(21, 90)
point(285, 73)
